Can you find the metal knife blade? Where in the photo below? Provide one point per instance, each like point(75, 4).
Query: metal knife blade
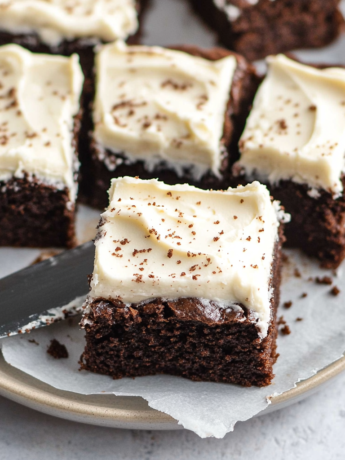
point(28, 296)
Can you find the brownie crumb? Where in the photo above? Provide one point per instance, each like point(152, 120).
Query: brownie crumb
point(299, 319)
point(281, 321)
point(335, 291)
point(325, 280)
point(33, 341)
point(285, 330)
point(304, 295)
point(57, 350)
point(297, 273)
point(287, 304)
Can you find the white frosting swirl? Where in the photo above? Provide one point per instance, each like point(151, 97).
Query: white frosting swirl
point(179, 241)
point(233, 12)
point(56, 20)
point(296, 130)
point(39, 96)
point(156, 104)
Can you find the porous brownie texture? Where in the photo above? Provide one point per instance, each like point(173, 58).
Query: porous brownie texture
point(33, 214)
point(317, 224)
point(100, 165)
point(183, 337)
point(271, 27)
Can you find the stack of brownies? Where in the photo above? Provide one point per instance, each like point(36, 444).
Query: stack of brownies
point(187, 277)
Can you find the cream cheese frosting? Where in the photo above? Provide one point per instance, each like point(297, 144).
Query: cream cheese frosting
point(178, 241)
point(39, 96)
point(296, 130)
point(56, 20)
point(156, 104)
point(232, 11)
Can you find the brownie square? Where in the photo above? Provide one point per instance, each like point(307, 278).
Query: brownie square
point(65, 28)
point(209, 93)
point(186, 282)
point(259, 28)
point(294, 142)
point(39, 124)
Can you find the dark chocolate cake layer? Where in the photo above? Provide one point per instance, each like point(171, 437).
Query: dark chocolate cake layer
point(100, 165)
point(271, 27)
point(183, 338)
point(317, 224)
point(33, 214)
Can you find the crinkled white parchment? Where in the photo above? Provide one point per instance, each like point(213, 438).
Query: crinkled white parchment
point(208, 409)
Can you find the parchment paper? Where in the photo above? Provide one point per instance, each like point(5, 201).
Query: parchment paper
point(209, 409)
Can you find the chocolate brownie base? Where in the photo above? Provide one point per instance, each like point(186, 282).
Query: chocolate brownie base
point(100, 165)
point(182, 337)
point(317, 224)
point(33, 214)
point(273, 27)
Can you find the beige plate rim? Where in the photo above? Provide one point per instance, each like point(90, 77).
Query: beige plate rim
point(124, 412)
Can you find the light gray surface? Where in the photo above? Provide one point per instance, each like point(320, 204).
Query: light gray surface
point(310, 430)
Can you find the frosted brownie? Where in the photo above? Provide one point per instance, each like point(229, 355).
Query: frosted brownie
point(186, 282)
point(172, 114)
point(67, 26)
point(257, 28)
point(294, 141)
point(39, 126)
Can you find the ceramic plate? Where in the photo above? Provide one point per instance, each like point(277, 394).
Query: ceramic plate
point(124, 412)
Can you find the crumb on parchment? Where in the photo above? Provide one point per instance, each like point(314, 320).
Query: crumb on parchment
point(57, 350)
